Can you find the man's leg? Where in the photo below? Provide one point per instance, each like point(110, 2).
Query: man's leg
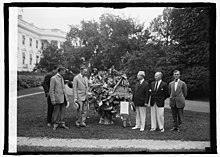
point(79, 114)
point(56, 116)
point(138, 120)
point(180, 116)
point(153, 117)
point(84, 112)
point(49, 110)
point(62, 115)
point(143, 117)
point(160, 117)
point(174, 114)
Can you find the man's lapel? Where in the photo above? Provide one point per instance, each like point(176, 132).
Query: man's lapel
point(159, 86)
point(173, 86)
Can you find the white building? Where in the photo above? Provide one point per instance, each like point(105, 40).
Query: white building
point(31, 41)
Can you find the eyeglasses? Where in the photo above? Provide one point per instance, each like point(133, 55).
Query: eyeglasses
point(176, 74)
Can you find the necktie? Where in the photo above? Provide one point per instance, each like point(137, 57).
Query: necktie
point(155, 88)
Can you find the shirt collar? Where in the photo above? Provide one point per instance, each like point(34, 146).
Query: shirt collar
point(141, 81)
point(177, 80)
point(159, 81)
point(59, 75)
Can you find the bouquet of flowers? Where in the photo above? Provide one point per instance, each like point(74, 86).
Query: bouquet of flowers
point(108, 90)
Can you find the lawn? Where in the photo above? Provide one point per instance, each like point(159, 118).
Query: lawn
point(31, 122)
point(29, 91)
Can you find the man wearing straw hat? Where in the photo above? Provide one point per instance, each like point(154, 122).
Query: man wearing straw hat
point(140, 99)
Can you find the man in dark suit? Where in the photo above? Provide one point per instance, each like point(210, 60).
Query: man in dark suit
point(140, 99)
point(59, 98)
point(159, 93)
point(46, 86)
point(178, 93)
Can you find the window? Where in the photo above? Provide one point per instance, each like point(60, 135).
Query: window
point(30, 59)
point(23, 58)
point(23, 39)
point(30, 42)
point(37, 59)
point(42, 45)
point(37, 44)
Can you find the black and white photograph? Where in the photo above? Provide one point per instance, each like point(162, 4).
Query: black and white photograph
point(110, 78)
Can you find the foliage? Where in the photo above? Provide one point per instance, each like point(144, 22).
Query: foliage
point(28, 81)
point(52, 56)
point(177, 39)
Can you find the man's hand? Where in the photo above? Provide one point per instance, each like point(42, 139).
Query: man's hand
point(145, 104)
point(75, 100)
point(67, 104)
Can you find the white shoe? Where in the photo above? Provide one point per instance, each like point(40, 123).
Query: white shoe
point(141, 130)
point(135, 128)
point(152, 129)
point(162, 130)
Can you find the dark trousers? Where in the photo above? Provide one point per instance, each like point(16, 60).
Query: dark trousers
point(58, 114)
point(177, 116)
point(49, 110)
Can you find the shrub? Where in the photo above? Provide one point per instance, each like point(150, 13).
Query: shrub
point(29, 81)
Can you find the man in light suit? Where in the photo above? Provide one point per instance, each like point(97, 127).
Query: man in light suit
point(58, 98)
point(46, 86)
point(159, 93)
point(80, 94)
point(178, 93)
point(140, 99)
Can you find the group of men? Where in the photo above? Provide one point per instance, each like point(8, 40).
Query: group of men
point(157, 92)
point(57, 98)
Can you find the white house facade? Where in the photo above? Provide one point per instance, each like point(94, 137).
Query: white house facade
point(32, 40)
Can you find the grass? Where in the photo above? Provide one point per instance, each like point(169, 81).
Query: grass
point(31, 122)
point(29, 91)
point(57, 150)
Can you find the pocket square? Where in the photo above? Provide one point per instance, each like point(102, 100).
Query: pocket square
point(161, 88)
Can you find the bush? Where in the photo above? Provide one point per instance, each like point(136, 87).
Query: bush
point(29, 81)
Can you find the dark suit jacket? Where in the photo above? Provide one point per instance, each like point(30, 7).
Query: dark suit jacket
point(141, 94)
point(159, 95)
point(178, 97)
point(46, 82)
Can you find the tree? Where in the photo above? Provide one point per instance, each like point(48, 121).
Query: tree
point(191, 36)
point(52, 56)
point(161, 25)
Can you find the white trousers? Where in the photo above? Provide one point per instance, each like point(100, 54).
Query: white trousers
point(157, 117)
point(140, 117)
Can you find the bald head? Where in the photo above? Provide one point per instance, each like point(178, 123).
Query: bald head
point(158, 76)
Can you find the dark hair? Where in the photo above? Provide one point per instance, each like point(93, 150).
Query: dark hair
point(55, 67)
point(60, 68)
point(175, 71)
point(82, 68)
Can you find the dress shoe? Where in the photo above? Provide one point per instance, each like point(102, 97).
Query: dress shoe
point(162, 130)
point(134, 128)
point(84, 125)
point(64, 126)
point(77, 125)
point(141, 130)
point(152, 129)
point(173, 129)
point(54, 128)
